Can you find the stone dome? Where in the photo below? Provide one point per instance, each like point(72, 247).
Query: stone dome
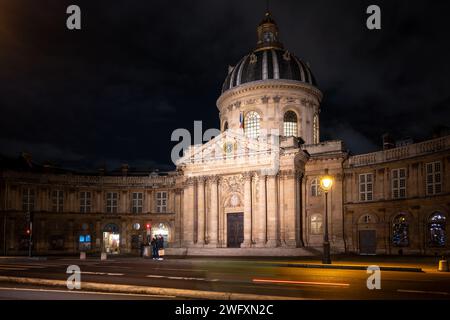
point(269, 61)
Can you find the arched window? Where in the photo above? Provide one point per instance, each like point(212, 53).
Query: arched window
point(316, 129)
point(252, 124)
point(436, 227)
point(316, 224)
point(225, 126)
point(400, 232)
point(315, 188)
point(290, 124)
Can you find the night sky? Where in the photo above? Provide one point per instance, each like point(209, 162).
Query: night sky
point(114, 91)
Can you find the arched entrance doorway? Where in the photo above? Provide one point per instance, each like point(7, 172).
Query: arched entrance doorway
point(367, 234)
point(161, 229)
point(111, 239)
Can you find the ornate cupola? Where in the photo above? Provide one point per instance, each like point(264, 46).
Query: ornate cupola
point(268, 34)
point(270, 88)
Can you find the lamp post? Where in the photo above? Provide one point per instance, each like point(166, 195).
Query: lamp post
point(326, 182)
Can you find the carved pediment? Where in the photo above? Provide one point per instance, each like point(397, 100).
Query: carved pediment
point(230, 145)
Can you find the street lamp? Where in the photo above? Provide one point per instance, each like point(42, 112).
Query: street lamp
point(326, 182)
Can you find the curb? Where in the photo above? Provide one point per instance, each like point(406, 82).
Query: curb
point(120, 288)
point(348, 267)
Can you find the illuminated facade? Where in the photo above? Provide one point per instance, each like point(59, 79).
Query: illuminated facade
point(252, 190)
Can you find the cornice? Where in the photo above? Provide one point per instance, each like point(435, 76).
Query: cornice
point(269, 84)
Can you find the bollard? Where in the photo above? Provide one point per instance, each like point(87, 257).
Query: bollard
point(103, 256)
point(443, 265)
point(82, 255)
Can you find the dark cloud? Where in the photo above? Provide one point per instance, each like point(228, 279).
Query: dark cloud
point(114, 91)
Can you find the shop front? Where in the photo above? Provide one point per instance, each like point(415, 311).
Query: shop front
point(161, 229)
point(111, 239)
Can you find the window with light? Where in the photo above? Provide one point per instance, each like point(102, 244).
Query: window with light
point(436, 230)
point(400, 232)
point(252, 124)
point(290, 124)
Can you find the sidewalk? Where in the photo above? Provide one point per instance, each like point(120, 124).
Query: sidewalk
point(349, 262)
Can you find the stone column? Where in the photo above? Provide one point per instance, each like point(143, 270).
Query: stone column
point(281, 234)
point(98, 235)
point(247, 211)
point(261, 230)
point(290, 202)
point(201, 211)
point(272, 212)
point(12, 234)
point(71, 247)
point(213, 213)
point(188, 213)
point(178, 218)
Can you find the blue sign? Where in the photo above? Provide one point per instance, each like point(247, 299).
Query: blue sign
point(86, 238)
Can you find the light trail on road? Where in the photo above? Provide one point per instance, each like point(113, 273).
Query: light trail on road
point(333, 284)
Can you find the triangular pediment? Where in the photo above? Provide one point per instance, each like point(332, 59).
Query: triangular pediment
point(230, 145)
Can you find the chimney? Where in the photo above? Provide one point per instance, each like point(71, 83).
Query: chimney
point(124, 169)
point(28, 159)
point(388, 142)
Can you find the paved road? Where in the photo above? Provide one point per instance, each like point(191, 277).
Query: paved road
point(242, 276)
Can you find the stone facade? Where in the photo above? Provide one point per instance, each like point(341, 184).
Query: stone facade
point(282, 213)
point(57, 227)
point(252, 190)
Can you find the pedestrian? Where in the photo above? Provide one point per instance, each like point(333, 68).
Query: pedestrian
point(160, 247)
point(154, 244)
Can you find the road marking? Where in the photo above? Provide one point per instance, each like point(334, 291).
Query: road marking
point(334, 284)
point(106, 266)
point(426, 292)
point(87, 292)
point(193, 270)
point(92, 259)
point(13, 268)
point(180, 278)
point(102, 273)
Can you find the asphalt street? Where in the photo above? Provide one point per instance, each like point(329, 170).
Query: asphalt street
point(225, 275)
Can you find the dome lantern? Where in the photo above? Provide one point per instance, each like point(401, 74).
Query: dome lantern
point(267, 32)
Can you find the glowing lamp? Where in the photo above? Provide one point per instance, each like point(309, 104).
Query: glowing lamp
point(326, 182)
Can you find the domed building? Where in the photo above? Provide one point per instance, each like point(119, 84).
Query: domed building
point(245, 188)
point(254, 189)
